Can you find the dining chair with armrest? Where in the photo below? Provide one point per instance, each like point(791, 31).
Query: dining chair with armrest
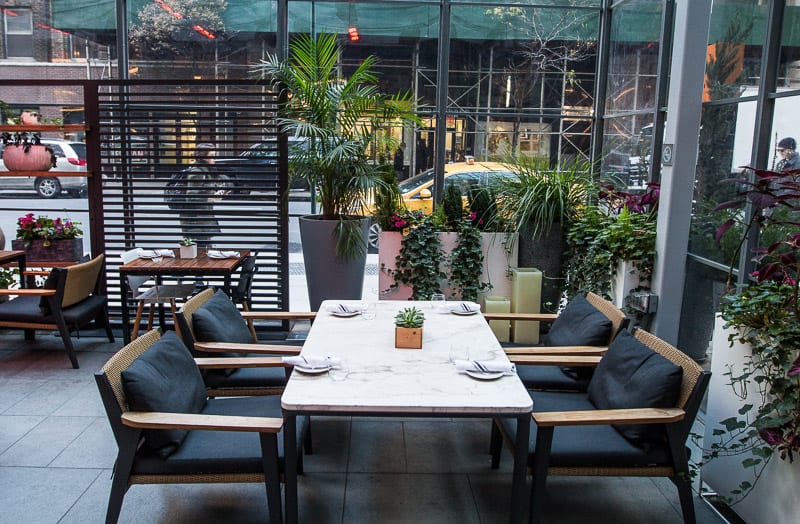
point(586, 326)
point(69, 300)
point(212, 325)
point(241, 293)
point(634, 419)
point(168, 432)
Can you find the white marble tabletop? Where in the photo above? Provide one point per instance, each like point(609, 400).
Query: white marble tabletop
point(383, 379)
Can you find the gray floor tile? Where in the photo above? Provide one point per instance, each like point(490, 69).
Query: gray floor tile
point(49, 397)
point(14, 427)
point(44, 442)
point(15, 389)
point(377, 446)
point(331, 436)
point(448, 446)
point(95, 447)
point(403, 498)
point(41, 495)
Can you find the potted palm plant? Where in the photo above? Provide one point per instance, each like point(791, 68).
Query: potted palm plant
point(343, 120)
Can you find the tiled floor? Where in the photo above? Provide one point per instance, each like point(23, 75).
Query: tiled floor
point(57, 450)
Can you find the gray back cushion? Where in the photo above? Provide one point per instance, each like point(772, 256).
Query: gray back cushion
point(164, 378)
point(631, 375)
point(218, 320)
point(579, 324)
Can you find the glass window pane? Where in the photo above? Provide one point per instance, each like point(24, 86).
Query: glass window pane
point(18, 21)
point(633, 56)
point(627, 148)
point(734, 52)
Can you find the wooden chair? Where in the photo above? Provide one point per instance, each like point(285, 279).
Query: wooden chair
point(163, 446)
point(235, 339)
point(153, 296)
point(563, 377)
point(241, 293)
point(571, 435)
point(69, 300)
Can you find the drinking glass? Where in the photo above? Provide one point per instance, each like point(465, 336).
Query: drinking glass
point(339, 372)
point(438, 301)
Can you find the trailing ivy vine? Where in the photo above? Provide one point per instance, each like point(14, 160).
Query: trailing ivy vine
point(466, 263)
point(418, 265)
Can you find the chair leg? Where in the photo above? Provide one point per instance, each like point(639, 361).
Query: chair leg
point(541, 461)
point(138, 320)
point(151, 316)
point(250, 325)
point(174, 309)
point(272, 480)
point(495, 445)
point(65, 337)
point(686, 496)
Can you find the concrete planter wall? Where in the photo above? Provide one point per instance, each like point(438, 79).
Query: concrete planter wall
point(626, 278)
point(497, 263)
point(775, 498)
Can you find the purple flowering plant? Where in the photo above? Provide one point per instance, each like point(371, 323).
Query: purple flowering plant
point(30, 228)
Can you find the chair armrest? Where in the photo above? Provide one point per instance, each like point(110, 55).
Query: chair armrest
point(227, 347)
point(31, 292)
point(159, 420)
point(557, 350)
point(555, 360)
point(608, 416)
point(238, 362)
point(539, 317)
point(279, 315)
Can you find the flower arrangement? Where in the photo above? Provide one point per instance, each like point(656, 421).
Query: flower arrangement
point(30, 228)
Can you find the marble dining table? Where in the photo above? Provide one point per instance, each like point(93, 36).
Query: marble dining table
point(382, 380)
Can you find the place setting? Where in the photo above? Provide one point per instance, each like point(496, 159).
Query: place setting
point(216, 253)
point(486, 369)
point(349, 310)
point(336, 368)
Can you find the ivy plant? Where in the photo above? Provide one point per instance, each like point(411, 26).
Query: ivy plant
point(419, 263)
point(466, 263)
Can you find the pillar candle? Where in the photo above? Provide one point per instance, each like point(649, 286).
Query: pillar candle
point(501, 328)
point(526, 297)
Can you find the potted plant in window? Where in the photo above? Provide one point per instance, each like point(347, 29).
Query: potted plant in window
point(408, 328)
point(343, 120)
point(22, 150)
point(188, 248)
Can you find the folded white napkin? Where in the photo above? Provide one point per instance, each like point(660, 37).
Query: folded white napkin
point(459, 307)
point(154, 253)
point(490, 366)
point(311, 362)
point(346, 308)
point(215, 253)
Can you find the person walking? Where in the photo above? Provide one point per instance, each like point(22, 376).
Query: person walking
point(203, 188)
point(399, 162)
point(790, 159)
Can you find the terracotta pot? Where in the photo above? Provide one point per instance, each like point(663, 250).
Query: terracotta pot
point(28, 158)
point(29, 119)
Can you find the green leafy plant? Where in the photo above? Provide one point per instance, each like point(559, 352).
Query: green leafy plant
point(466, 263)
point(388, 200)
point(186, 241)
point(7, 277)
point(483, 209)
point(766, 314)
point(344, 119)
point(453, 206)
point(30, 228)
point(409, 317)
point(622, 227)
point(418, 265)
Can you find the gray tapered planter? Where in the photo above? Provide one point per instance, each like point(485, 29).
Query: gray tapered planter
point(328, 276)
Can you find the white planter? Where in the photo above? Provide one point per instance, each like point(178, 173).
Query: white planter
point(497, 263)
point(188, 251)
point(775, 498)
point(625, 279)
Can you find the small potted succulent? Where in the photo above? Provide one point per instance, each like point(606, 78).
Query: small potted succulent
point(188, 248)
point(408, 328)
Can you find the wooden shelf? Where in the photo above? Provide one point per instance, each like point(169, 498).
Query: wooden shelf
point(47, 173)
point(44, 128)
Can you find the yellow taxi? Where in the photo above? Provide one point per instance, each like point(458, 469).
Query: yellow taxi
point(418, 191)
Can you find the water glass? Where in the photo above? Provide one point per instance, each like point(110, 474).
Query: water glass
point(438, 301)
point(339, 371)
point(458, 352)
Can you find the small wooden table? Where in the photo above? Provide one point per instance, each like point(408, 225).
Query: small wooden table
point(18, 256)
point(176, 267)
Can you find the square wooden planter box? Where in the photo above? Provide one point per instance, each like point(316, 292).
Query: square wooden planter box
point(407, 338)
point(66, 250)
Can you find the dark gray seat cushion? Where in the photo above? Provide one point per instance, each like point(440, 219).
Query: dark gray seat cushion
point(600, 446)
point(165, 378)
point(248, 378)
point(631, 375)
point(237, 451)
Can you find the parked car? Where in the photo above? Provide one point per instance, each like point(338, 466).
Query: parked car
point(248, 169)
point(70, 156)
